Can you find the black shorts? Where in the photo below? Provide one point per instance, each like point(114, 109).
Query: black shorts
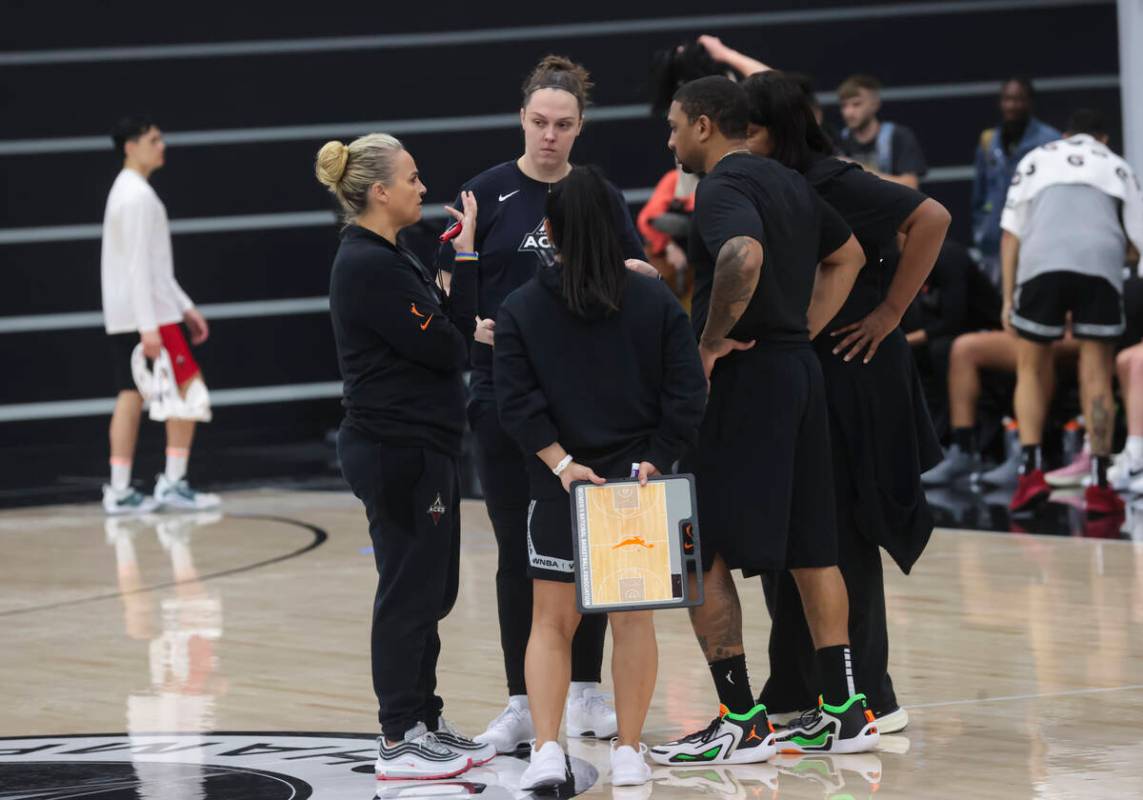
point(122, 346)
point(1041, 305)
point(550, 553)
point(763, 466)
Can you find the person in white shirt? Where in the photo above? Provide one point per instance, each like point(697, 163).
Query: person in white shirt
point(143, 305)
point(1071, 211)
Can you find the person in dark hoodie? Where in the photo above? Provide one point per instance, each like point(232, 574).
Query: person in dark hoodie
point(401, 346)
point(596, 370)
point(881, 433)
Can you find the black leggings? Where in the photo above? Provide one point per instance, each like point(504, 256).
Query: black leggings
point(504, 478)
point(412, 502)
point(792, 684)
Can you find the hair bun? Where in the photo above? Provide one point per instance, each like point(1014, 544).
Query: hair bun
point(331, 161)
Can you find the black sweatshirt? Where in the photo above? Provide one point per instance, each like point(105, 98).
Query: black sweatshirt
point(613, 390)
point(512, 244)
point(401, 345)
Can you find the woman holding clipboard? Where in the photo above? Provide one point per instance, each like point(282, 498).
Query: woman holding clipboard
point(596, 369)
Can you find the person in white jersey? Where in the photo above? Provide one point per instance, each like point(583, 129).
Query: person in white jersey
point(144, 305)
point(1071, 211)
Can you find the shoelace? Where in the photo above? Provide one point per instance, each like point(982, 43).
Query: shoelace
point(706, 734)
point(444, 726)
point(430, 742)
point(505, 718)
point(808, 719)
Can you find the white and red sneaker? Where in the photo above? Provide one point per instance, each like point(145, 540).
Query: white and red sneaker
point(420, 756)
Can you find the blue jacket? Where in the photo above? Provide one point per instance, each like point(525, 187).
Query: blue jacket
point(994, 169)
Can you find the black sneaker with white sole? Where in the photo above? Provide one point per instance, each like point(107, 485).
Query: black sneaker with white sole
point(420, 756)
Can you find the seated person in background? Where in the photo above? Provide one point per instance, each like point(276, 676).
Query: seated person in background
point(956, 298)
point(972, 355)
point(887, 149)
point(665, 224)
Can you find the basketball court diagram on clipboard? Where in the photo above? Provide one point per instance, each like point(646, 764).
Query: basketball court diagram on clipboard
point(635, 544)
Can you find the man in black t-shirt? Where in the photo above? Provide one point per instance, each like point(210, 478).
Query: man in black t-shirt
point(888, 149)
point(763, 462)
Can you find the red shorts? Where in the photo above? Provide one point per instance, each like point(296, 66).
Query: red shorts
point(177, 348)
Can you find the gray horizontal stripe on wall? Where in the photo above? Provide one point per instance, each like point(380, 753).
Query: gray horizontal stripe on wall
point(239, 222)
point(402, 127)
point(525, 33)
point(212, 311)
point(252, 396)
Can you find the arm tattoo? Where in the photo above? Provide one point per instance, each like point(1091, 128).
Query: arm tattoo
point(735, 278)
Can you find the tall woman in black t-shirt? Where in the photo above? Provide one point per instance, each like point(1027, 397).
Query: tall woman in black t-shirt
point(401, 346)
point(882, 436)
point(596, 371)
point(513, 245)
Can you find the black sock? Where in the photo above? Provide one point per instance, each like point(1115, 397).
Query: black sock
point(962, 438)
point(835, 674)
point(1030, 460)
point(1099, 465)
point(732, 683)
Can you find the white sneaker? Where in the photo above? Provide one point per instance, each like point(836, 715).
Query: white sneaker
point(510, 731)
point(628, 767)
point(127, 501)
point(548, 767)
point(448, 735)
point(419, 757)
point(179, 495)
point(590, 714)
point(894, 721)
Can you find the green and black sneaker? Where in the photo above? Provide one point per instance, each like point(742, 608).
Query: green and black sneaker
point(729, 739)
point(848, 728)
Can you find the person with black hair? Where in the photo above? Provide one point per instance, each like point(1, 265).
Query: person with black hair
point(1072, 211)
point(514, 244)
point(997, 154)
point(596, 371)
point(881, 433)
point(772, 264)
point(144, 306)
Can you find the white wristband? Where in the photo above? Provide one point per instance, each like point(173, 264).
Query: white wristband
point(560, 467)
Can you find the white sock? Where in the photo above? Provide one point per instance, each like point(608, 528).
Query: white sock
point(577, 688)
point(120, 474)
point(176, 464)
point(519, 702)
point(1134, 449)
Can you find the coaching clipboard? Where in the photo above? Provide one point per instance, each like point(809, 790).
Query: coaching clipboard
point(635, 545)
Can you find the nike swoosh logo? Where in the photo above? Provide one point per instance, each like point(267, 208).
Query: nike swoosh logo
point(504, 197)
point(427, 321)
point(730, 679)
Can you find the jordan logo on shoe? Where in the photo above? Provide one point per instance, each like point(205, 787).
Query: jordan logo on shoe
point(753, 736)
point(437, 509)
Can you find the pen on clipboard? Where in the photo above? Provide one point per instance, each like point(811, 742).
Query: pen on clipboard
point(634, 471)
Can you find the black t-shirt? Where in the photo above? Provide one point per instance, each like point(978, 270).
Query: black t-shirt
point(905, 153)
point(875, 209)
point(512, 244)
point(747, 195)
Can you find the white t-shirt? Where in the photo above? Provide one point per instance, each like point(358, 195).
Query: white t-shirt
point(140, 292)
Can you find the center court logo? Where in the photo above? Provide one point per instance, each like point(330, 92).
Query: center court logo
point(233, 766)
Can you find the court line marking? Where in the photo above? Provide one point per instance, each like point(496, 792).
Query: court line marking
point(319, 538)
point(1013, 697)
point(453, 124)
point(523, 33)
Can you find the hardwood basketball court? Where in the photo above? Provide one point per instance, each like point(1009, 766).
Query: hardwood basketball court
point(182, 656)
